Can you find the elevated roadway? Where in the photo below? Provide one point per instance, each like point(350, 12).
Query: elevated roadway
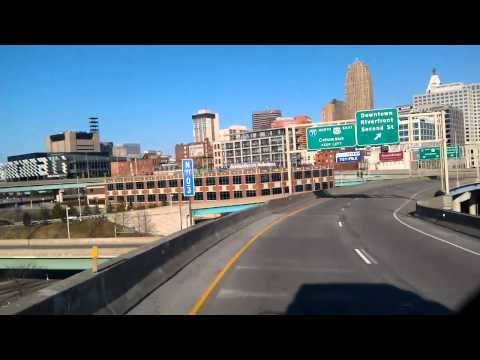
point(355, 251)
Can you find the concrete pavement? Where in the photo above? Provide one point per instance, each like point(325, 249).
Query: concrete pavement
point(348, 254)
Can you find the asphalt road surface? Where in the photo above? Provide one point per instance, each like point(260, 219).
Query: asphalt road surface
point(356, 252)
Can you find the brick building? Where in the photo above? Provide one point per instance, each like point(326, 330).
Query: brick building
point(200, 152)
point(217, 185)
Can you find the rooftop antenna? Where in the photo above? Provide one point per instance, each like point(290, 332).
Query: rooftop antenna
point(93, 124)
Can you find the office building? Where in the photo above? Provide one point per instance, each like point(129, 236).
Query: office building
point(73, 141)
point(106, 147)
point(127, 150)
point(263, 119)
point(465, 97)
point(238, 184)
point(231, 132)
point(201, 153)
point(421, 125)
point(41, 166)
point(334, 110)
point(206, 125)
point(358, 89)
point(258, 148)
point(300, 133)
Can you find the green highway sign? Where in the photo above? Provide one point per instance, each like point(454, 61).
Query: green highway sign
point(330, 137)
point(453, 152)
point(377, 127)
point(433, 153)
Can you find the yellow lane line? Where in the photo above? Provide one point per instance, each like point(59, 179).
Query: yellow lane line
point(203, 298)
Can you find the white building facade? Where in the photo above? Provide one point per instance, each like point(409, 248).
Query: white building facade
point(465, 97)
point(230, 132)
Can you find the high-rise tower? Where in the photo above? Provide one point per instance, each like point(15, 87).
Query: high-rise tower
point(358, 89)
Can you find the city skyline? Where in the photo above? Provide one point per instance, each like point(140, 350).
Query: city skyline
point(48, 89)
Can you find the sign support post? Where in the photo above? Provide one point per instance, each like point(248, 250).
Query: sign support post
point(188, 189)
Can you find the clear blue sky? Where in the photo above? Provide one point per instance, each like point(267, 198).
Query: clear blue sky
point(147, 94)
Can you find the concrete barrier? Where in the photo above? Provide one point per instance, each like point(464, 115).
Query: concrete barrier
point(464, 223)
point(124, 281)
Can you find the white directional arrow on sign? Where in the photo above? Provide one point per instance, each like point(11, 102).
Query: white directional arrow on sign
point(377, 136)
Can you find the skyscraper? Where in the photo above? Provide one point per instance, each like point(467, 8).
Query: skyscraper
point(263, 119)
point(334, 110)
point(206, 125)
point(465, 97)
point(358, 89)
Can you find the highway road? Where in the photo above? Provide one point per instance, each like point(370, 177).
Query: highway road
point(355, 252)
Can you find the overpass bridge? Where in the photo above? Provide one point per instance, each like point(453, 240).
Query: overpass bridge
point(351, 250)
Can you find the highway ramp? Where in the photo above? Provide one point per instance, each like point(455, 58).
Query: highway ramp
point(357, 252)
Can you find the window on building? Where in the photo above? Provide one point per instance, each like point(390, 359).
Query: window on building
point(265, 150)
point(237, 145)
point(256, 158)
point(211, 195)
point(255, 143)
point(110, 187)
point(308, 174)
point(198, 181)
point(316, 173)
point(139, 185)
point(266, 158)
point(140, 198)
point(264, 178)
point(150, 184)
point(198, 196)
point(246, 144)
point(224, 195)
point(130, 199)
point(120, 199)
point(223, 180)
point(111, 198)
point(238, 153)
point(318, 186)
point(308, 187)
point(151, 198)
point(237, 194)
point(251, 193)
point(264, 142)
point(265, 192)
point(298, 188)
point(298, 175)
point(173, 183)
point(237, 179)
point(162, 197)
point(250, 179)
point(174, 196)
point(285, 176)
point(286, 190)
point(210, 181)
point(162, 183)
point(229, 146)
point(330, 172)
point(276, 177)
point(276, 191)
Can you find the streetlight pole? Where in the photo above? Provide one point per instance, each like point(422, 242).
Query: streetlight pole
point(79, 204)
point(457, 151)
point(478, 162)
point(68, 223)
point(289, 161)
